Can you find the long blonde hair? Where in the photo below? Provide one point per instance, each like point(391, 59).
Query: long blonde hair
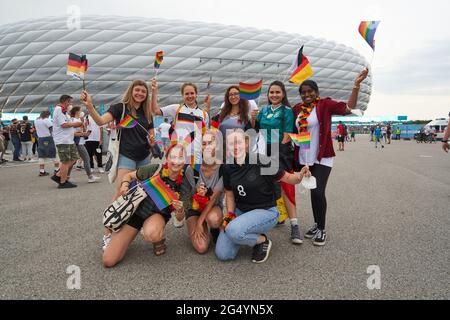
point(145, 105)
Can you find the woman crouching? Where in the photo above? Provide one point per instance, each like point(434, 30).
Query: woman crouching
point(152, 220)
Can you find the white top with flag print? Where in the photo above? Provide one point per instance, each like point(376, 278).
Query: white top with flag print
point(183, 129)
point(309, 157)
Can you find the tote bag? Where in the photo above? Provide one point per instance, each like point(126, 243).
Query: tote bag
point(112, 156)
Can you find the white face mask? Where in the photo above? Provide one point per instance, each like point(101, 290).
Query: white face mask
point(82, 114)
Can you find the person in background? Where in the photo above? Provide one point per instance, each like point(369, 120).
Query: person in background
point(444, 141)
point(340, 136)
point(163, 130)
point(93, 145)
point(397, 133)
point(388, 133)
point(14, 133)
point(25, 132)
point(46, 146)
point(378, 136)
point(63, 135)
point(79, 136)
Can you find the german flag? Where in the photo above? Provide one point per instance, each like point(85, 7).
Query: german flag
point(77, 66)
point(302, 69)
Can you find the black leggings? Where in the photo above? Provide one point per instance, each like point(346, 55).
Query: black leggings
point(91, 147)
point(318, 199)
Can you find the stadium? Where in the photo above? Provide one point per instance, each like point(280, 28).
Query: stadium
point(33, 59)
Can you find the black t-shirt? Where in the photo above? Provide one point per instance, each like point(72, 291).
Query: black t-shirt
point(24, 131)
point(133, 142)
point(251, 189)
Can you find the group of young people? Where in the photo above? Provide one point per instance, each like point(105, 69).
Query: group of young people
point(228, 191)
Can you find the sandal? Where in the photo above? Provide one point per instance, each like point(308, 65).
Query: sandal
point(159, 248)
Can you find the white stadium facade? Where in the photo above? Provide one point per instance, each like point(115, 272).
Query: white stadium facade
point(33, 59)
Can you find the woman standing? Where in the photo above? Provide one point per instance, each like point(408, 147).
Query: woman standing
point(153, 221)
point(314, 116)
point(278, 119)
point(186, 117)
point(235, 113)
point(207, 203)
point(135, 142)
point(250, 201)
point(80, 135)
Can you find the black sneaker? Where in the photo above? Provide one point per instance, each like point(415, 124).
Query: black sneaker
point(320, 238)
point(312, 232)
point(67, 185)
point(43, 174)
point(261, 251)
point(56, 178)
point(214, 234)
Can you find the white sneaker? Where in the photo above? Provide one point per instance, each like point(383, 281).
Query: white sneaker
point(101, 170)
point(177, 223)
point(106, 240)
point(93, 179)
point(32, 160)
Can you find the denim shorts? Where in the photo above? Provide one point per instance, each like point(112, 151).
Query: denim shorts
point(130, 164)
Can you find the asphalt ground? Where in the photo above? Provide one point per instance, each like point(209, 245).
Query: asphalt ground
point(388, 208)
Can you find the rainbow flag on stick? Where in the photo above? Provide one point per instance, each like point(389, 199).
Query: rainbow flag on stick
point(127, 123)
point(160, 193)
point(367, 30)
point(249, 91)
point(158, 59)
point(77, 66)
point(303, 140)
point(301, 69)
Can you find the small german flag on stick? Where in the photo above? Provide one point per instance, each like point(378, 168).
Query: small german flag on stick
point(77, 67)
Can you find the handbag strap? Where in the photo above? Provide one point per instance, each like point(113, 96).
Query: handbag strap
point(119, 131)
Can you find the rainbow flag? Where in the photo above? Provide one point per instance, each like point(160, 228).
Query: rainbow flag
point(158, 59)
point(303, 140)
point(249, 91)
point(367, 30)
point(301, 69)
point(128, 122)
point(160, 193)
point(77, 66)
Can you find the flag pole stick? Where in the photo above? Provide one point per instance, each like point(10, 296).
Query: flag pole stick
point(84, 85)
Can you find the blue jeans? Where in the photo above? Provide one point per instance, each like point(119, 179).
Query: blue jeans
point(130, 164)
point(245, 231)
point(17, 147)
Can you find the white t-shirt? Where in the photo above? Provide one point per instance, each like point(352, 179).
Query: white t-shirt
point(185, 125)
point(43, 127)
point(79, 129)
point(62, 135)
point(95, 130)
point(309, 157)
point(383, 130)
point(164, 129)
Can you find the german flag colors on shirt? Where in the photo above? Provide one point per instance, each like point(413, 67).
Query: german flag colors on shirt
point(77, 66)
point(302, 69)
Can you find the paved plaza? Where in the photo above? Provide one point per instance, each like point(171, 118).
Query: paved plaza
point(387, 208)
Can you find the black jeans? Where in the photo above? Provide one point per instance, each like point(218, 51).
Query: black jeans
point(318, 199)
point(91, 147)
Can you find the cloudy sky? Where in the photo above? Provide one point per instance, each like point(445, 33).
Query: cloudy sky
point(411, 66)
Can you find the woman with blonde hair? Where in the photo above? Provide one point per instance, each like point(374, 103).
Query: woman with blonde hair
point(135, 142)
